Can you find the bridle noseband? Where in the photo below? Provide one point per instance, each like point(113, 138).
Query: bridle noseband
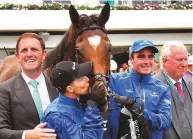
point(102, 78)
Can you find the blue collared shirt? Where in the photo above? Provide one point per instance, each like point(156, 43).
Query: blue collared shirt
point(71, 121)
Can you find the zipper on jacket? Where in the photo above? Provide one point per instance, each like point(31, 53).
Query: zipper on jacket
point(142, 101)
point(139, 89)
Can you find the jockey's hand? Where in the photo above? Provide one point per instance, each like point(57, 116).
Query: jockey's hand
point(39, 132)
point(123, 99)
point(136, 111)
point(98, 95)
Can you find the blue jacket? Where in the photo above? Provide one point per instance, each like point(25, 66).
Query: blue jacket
point(155, 95)
point(71, 121)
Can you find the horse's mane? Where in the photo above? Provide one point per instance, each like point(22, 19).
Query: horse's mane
point(65, 49)
point(60, 51)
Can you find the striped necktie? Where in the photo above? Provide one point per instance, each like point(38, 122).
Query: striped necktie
point(36, 97)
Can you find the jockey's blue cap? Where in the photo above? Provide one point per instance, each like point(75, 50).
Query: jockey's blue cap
point(138, 45)
point(66, 71)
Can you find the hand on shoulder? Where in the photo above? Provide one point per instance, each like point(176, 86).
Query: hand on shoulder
point(39, 132)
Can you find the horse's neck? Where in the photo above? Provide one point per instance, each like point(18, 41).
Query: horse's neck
point(69, 56)
point(9, 69)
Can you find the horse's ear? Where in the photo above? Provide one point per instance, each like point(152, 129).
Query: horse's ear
point(104, 15)
point(74, 16)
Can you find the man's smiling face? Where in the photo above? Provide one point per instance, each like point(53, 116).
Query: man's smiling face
point(143, 61)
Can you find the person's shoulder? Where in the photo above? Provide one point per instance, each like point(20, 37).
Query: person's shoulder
point(158, 83)
point(159, 76)
point(119, 76)
point(188, 78)
point(56, 107)
point(53, 118)
point(53, 112)
point(10, 82)
point(188, 83)
point(47, 79)
point(52, 107)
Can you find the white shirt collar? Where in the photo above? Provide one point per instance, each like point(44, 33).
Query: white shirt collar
point(27, 79)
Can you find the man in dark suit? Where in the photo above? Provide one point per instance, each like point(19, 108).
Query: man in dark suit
point(174, 63)
point(21, 103)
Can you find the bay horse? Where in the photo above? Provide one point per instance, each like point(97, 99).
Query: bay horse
point(85, 40)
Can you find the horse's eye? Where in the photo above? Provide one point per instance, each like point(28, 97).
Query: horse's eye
point(78, 52)
point(109, 49)
point(110, 46)
point(79, 39)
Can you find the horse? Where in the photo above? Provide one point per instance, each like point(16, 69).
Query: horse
point(85, 40)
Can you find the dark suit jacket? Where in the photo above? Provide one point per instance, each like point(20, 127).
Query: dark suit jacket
point(17, 108)
point(174, 131)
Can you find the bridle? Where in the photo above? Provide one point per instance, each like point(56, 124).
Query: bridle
point(89, 28)
point(102, 78)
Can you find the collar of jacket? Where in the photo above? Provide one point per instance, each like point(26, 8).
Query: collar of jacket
point(68, 101)
point(136, 77)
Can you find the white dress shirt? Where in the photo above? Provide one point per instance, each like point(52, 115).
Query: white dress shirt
point(42, 89)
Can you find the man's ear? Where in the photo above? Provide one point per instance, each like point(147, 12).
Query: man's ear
point(16, 54)
point(131, 59)
point(69, 88)
point(44, 55)
point(164, 60)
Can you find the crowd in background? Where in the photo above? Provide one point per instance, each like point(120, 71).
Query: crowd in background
point(97, 2)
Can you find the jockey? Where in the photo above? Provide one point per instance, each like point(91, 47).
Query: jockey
point(67, 114)
point(153, 95)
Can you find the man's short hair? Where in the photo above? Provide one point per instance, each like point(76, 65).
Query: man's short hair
point(30, 35)
point(166, 50)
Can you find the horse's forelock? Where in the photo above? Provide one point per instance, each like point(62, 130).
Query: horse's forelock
point(95, 19)
point(86, 21)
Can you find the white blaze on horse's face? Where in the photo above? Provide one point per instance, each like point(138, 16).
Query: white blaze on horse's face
point(94, 41)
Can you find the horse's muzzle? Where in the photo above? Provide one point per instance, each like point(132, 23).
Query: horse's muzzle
point(99, 92)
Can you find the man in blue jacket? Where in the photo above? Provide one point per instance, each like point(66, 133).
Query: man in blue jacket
point(66, 114)
point(150, 93)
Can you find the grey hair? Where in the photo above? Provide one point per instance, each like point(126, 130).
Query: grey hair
point(166, 50)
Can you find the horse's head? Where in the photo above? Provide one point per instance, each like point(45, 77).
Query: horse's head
point(93, 44)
